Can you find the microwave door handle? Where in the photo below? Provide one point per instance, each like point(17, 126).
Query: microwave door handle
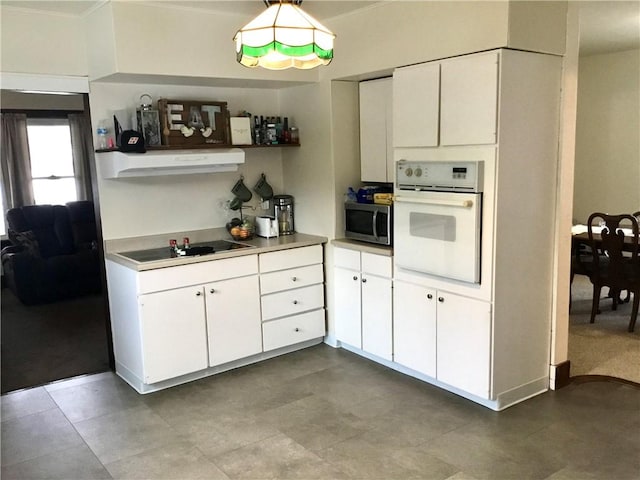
point(374, 223)
point(448, 203)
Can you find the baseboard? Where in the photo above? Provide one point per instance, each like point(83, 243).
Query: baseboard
point(139, 386)
point(560, 375)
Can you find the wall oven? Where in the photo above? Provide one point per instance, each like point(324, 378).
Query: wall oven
point(438, 216)
point(369, 222)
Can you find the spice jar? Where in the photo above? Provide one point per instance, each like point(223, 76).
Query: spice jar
point(294, 135)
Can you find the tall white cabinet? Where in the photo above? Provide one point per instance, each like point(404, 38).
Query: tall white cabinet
point(488, 342)
point(376, 130)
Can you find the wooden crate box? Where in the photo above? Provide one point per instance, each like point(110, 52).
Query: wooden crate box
point(193, 122)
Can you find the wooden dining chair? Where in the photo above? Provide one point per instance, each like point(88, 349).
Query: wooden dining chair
point(620, 272)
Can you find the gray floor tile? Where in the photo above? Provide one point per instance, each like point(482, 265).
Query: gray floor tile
point(359, 458)
point(25, 402)
point(93, 399)
point(35, 435)
point(75, 463)
point(217, 435)
point(175, 461)
point(123, 434)
point(80, 380)
point(277, 457)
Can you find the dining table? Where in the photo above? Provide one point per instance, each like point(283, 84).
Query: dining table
point(580, 236)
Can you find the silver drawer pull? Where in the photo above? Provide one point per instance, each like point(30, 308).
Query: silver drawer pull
point(355, 278)
point(213, 290)
point(295, 302)
point(198, 294)
point(293, 279)
point(441, 299)
point(429, 296)
point(297, 329)
point(364, 280)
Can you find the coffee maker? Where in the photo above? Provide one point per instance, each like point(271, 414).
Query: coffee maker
point(283, 212)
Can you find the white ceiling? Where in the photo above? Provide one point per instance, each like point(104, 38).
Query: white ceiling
point(605, 26)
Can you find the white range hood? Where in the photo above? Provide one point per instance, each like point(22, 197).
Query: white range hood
point(168, 162)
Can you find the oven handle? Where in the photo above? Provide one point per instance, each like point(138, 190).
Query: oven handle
point(448, 203)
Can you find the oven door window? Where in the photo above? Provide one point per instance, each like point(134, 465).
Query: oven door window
point(432, 226)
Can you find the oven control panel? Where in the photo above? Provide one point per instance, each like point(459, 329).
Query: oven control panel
point(463, 176)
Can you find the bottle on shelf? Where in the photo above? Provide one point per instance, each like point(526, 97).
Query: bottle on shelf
point(102, 131)
point(286, 134)
point(257, 139)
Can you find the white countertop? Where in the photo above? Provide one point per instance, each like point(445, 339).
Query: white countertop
point(363, 246)
point(114, 248)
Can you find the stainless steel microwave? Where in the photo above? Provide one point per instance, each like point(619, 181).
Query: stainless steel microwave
point(369, 222)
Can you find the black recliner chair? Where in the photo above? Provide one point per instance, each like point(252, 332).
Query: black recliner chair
point(54, 252)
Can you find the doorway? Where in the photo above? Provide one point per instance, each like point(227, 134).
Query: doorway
point(56, 338)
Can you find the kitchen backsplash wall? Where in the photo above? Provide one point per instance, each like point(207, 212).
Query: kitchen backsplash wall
point(144, 206)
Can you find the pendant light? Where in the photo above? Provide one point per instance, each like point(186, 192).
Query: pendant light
point(284, 36)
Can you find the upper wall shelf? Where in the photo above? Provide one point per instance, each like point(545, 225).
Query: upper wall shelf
point(203, 147)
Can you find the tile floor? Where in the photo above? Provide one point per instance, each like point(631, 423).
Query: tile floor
point(317, 413)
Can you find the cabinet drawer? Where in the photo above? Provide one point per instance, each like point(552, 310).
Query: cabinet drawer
point(292, 278)
point(346, 258)
point(196, 273)
point(293, 257)
point(291, 302)
point(377, 265)
point(292, 330)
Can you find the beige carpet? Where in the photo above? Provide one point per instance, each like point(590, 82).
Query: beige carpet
point(604, 347)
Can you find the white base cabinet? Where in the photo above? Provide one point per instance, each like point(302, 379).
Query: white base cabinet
point(174, 333)
point(177, 324)
point(363, 295)
point(292, 286)
point(444, 336)
point(233, 319)
point(414, 328)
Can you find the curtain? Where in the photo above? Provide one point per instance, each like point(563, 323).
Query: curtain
point(15, 166)
point(81, 147)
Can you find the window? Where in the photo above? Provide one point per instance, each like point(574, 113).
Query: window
point(51, 161)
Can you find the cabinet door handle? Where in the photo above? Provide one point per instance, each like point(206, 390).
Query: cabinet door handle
point(355, 278)
point(213, 290)
point(295, 302)
point(441, 299)
point(198, 293)
point(293, 279)
point(296, 329)
point(429, 296)
point(364, 280)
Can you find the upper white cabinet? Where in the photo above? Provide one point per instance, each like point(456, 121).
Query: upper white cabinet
point(416, 105)
point(469, 100)
point(449, 102)
point(376, 132)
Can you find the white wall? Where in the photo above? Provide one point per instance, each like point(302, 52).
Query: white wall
point(171, 40)
point(607, 166)
point(31, 42)
point(145, 206)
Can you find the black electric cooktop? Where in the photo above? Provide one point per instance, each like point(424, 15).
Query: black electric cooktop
point(164, 253)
